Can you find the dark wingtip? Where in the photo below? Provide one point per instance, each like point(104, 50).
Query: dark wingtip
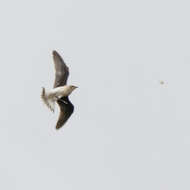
point(60, 124)
point(56, 55)
point(58, 127)
point(54, 52)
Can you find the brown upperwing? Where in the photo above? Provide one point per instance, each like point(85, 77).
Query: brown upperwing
point(66, 109)
point(61, 70)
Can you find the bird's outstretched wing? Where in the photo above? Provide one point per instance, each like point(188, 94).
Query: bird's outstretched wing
point(66, 109)
point(61, 70)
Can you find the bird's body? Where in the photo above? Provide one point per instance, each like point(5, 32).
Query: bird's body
point(60, 92)
point(51, 96)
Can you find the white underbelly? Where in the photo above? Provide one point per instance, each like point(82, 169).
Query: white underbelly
point(60, 91)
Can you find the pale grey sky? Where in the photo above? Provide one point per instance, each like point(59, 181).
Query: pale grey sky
point(136, 134)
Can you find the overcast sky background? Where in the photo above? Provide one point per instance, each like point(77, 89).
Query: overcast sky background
point(135, 134)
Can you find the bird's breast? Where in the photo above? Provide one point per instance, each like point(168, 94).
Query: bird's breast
point(62, 91)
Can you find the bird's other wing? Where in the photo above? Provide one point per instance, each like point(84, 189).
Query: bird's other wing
point(66, 109)
point(61, 70)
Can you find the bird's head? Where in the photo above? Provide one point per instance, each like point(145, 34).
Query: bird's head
point(73, 87)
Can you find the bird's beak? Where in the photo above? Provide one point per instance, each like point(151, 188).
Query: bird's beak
point(76, 86)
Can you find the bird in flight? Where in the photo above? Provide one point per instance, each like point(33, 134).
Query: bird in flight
point(60, 91)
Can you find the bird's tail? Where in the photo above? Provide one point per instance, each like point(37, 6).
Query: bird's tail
point(48, 101)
